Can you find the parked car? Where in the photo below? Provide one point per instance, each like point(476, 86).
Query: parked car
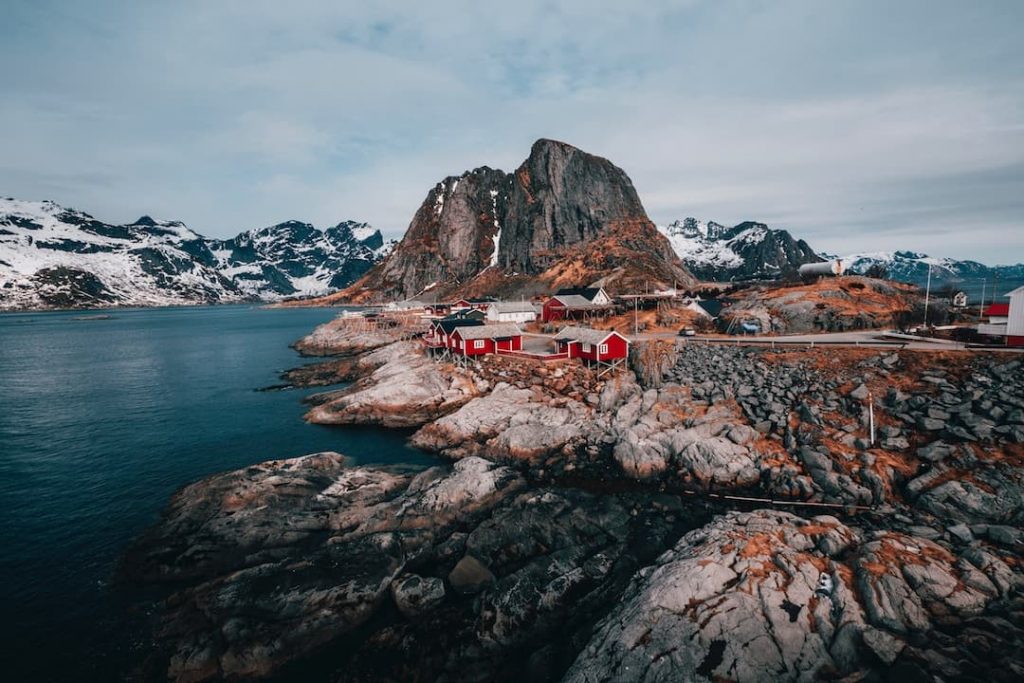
point(687, 332)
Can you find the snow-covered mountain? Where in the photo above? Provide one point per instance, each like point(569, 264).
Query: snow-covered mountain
point(296, 259)
point(748, 251)
point(55, 257)
point(912, 267)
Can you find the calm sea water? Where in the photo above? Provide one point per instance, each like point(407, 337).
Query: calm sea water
point(100, 422)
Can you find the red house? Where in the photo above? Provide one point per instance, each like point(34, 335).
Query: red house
point(438, 335)
point(605, 347)
point(479, 340)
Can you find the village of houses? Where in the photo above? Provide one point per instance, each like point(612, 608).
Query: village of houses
point(589, 325)
point(466, 329)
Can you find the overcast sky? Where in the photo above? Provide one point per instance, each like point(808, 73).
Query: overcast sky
point(857, 125)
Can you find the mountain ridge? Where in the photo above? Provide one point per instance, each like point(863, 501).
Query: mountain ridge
point(53, 256)
point(747, 251)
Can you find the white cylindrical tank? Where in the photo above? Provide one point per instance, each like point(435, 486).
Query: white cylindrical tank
point(822, 269)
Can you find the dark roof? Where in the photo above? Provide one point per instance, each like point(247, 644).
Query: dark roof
point(586, 292)
point(451, 322)
point(713, 306)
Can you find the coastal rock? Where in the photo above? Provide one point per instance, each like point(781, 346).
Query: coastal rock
point(508, 422)
point(754, 597)
point(414, 595)
point(407, 390)
point(340, 337)
point(288, 555)
point(735, 599)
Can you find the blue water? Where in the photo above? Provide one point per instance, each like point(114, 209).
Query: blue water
point(100, 422)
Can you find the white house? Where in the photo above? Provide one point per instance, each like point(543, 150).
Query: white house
point(512, 312)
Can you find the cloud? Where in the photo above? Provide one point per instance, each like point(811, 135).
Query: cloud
point(855, 124)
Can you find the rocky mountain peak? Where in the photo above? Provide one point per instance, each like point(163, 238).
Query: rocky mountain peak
point(480, 228)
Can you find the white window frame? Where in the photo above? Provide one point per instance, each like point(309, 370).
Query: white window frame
point(462, 345)
point(586, 347)
point(478, 344)
point(603, 349)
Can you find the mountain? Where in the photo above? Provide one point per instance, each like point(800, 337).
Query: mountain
point(296, 259)
point(748, 251)
point(55, 257)
point(564, 217)
point(912, 267)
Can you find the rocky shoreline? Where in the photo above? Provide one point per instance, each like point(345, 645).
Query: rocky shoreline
point(578, 528)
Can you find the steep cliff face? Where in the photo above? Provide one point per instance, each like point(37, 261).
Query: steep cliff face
point(564, 217)
point(562, 196)
point(451, 238)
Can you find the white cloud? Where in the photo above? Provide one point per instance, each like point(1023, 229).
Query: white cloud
point(825, 117)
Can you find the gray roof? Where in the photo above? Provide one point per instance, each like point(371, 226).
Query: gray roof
point(577, 301)
point(499, 331)
point(513, 307)
point(584, 334)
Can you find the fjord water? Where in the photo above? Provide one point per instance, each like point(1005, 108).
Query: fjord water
point(101, 420)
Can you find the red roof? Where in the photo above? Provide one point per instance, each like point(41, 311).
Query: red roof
point(998, 310)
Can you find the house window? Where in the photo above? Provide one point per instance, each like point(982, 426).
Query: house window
point(603, 348)
point(478, 344)
point(462, 345)
point(586, 348)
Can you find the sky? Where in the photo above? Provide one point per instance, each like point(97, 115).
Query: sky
point(857, 125)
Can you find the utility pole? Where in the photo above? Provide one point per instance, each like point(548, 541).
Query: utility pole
point(636, 322)
point(981, 308)
point(871, 416)
point(927, 294)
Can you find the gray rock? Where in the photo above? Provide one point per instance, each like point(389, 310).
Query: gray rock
point(961, 532)
point(415, 595)
point(860, 393)
point(885, 646)
point(470, 576)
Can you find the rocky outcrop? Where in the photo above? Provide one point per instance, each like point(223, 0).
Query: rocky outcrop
point(563, 218)
point(366, 569)
point(768, 596)
point(554, 547)
point(340, 337)
point(406, 390)
point(507, 423)
point(829, 305)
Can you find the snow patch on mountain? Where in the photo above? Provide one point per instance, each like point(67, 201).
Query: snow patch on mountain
point(54, 257)
point(747, 251)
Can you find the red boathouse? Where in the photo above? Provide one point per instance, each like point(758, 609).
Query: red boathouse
point(603, 347)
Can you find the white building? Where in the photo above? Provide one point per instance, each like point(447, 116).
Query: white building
point(1006, 320)
point(512, 312)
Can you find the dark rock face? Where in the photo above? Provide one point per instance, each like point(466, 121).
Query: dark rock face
point(563, 196)
point(309, 558)
point(451, 237)
point(535, 222)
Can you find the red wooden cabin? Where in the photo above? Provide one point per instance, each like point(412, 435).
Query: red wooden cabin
point(600, 346)
point(479, 340)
